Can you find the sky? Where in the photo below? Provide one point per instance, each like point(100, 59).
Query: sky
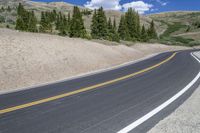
point(142, 6)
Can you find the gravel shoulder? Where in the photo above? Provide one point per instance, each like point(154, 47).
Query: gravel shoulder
point(185, 119)
point(28, 59)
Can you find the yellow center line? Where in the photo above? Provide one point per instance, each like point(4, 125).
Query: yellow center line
point(3, 111)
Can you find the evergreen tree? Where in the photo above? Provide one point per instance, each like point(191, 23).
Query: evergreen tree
point(99, 25)
point(110, 26)
point(2, 9)
point(144, 36)
point(20, 10)
point(130, 18)
point(151, 31)
point(32, 25)
point(114, 24)
point(112, 32)
point(123, 29)
point(20, 24)
point(26, 21)
point(43, 23)
point(94, 28)
point(115, 36)
point(77, 28)
point(54, 15)
point(68, 21)
point(138, 27)
point(22, 18)
point(8, 9)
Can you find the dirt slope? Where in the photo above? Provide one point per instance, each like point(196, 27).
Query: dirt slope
point(28, 59)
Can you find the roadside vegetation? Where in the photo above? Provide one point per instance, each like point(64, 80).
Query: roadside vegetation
point(103, 25)
point(167, 38)
point(72, 25)
point(179, 23)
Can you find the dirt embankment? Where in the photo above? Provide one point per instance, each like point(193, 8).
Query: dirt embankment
point(28, 59)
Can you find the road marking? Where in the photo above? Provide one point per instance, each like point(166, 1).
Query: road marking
point(195, 57)
point(3, 111)
point(161, 107)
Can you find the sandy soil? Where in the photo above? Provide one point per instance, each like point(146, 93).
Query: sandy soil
point(28, 59)
point(185, 119)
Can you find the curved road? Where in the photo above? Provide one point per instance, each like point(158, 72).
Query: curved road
point(121, 100)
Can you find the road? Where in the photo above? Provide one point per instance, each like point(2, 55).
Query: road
point(105, 102)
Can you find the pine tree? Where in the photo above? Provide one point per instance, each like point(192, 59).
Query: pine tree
point(26, 21)
point(138, 27)
point(43, 23)
point(114, 24)
point(68, 21)
point(123, 29)
point(144, 36)
point(115, 36)
point(112, 31)
point(152, 32)
point(130, 18)
point(8, 9)
point(110, 26)
point(23, 17)
point(2, 9)
point(20, 24)
point(99, 25)
point(94, 28)
point(69, 18)
point(32, 25)
point(20, 9)
point(77, 28)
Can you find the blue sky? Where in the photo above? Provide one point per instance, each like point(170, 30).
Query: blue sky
point(142, 6)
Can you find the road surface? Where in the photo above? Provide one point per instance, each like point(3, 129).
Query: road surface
point(131, 98)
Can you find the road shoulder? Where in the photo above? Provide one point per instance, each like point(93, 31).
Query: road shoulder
point(185, 119)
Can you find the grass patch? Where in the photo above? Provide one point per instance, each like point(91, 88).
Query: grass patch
point(172, 28)
point(179, 41)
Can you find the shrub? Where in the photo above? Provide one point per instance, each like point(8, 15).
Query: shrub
point(2, 19)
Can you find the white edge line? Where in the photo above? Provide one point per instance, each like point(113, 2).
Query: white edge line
point(84, 74)
point(162, 106)
point(195, 57)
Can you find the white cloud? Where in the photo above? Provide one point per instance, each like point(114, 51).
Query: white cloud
point(162, 2)
point(106, 4)
point(139, 6)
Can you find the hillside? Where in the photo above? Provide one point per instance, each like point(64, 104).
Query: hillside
point(180, 26)
point(64, 7)
point(174, 28)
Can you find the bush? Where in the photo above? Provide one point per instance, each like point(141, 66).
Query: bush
point(172, 28)
point(10, 21)
point(87, 36)
point(2, 19)
point(194, 43)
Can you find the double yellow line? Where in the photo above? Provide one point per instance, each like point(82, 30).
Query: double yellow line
point(3, 111)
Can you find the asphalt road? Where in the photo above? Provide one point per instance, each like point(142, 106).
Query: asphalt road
point(101, 103)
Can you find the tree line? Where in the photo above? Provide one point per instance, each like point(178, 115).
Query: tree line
point(129, 28)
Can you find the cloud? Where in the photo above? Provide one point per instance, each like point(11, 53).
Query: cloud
point(162, 2)
point(106, 4)
point(139, 6)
